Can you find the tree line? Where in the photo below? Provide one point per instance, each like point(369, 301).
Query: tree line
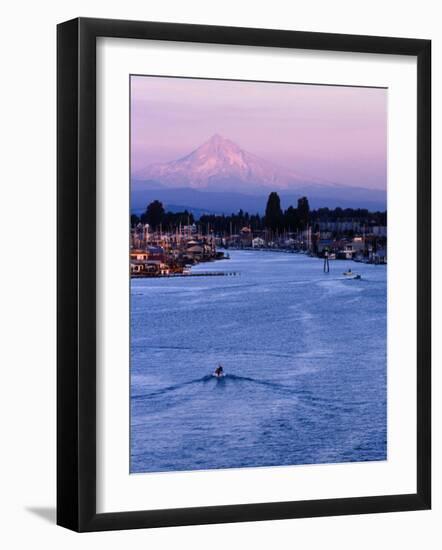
point(275, 218)
point(156, 216)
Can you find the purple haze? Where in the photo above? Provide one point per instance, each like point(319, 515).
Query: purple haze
point(331, 133)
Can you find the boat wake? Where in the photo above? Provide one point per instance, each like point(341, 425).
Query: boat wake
point(173, 388)
point(209, 393)
point(215, 381)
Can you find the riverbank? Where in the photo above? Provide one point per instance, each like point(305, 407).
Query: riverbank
point(189, 274)
point(157, 261)
point(373, 260)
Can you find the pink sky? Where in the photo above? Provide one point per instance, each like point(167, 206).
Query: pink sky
point(332, 133)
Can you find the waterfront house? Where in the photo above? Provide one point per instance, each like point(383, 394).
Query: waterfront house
point(152, 268)
point(358, 243)
point(194, 252)
point(155, 253)
point(158, 267)
point(346, 252)
point(136, 267)
point(257, 242)
point(139, 255)
point(246, 236)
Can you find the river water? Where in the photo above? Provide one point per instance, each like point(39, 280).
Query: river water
point(305, 360)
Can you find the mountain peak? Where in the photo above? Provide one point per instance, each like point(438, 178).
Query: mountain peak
point(216, 139)
point(218, 143)
point(219, 163)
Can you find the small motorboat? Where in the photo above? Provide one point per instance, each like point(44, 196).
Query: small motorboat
point(219, 372)
point(351, 274)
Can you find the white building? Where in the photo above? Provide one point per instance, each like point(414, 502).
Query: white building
point(257, 242)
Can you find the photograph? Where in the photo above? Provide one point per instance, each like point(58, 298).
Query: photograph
point(225, 334)
point(258, 274)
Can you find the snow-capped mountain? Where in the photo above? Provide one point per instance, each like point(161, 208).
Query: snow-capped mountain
point(220, 165)
point(219, 177)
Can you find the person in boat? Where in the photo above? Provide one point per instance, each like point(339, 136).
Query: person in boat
point(219, 371)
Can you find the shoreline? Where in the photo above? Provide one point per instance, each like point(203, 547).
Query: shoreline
point(303, 253)
point(237, 273)
point(195, 274)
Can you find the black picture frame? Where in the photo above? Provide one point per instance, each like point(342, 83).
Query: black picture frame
point(76, 274)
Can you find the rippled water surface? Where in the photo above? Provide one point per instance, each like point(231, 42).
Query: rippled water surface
point(304, 353)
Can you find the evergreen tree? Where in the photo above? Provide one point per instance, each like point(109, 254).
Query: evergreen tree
point(291, 219)
point(154, 214)
point(303, 212)
point(273, 215)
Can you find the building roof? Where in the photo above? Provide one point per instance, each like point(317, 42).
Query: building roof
point(195, 248)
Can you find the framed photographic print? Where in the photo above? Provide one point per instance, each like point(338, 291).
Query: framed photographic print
point(243, 274)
